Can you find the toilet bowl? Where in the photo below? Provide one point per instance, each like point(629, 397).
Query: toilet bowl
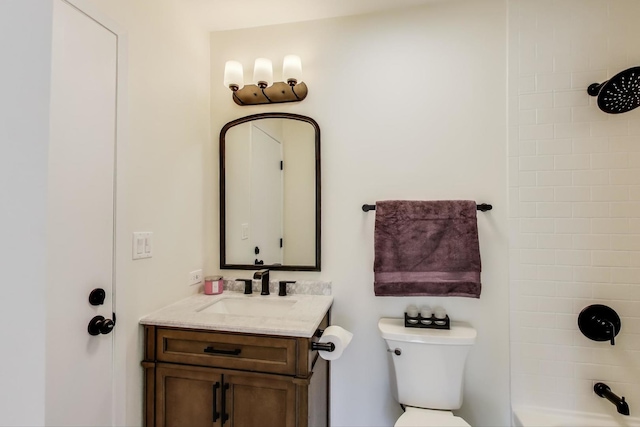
point(419, 417)
point(427, 371)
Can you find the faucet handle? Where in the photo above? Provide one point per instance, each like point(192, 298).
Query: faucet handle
point(248, 285)
point(612, 331)
point(282, 287)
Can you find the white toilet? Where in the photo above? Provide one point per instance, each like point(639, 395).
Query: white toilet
point(427, 371)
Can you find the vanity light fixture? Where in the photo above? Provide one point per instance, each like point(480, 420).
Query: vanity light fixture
point(265, 90)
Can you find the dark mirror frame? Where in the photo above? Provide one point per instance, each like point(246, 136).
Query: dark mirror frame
point(223, 132)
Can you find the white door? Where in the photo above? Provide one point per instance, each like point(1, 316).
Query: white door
point(266, 196)
point(80, 233)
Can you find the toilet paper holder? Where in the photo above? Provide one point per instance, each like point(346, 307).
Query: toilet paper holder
point(322, 346)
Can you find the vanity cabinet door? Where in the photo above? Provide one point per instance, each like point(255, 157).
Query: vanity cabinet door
point(191, 396)
point(188, 396)
point(260, 400)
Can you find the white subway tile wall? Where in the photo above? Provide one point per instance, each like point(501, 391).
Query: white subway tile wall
point(574, 180)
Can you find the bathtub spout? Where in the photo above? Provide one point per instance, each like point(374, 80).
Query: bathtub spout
point(623, 407)
point(603, 390)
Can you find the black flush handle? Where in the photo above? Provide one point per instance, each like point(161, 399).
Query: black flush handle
point(211, 350)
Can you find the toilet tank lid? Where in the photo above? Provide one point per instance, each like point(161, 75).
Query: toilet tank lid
point(461, 333)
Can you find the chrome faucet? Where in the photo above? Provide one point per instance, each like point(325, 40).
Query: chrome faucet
point(263, 275)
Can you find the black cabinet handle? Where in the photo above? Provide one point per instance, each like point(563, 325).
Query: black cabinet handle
point(216, 414)
point(211, 350)
point(225, 416)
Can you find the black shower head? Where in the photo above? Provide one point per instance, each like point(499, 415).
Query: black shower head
point(619, 94)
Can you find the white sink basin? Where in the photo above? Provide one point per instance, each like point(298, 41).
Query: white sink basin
point(250, 306)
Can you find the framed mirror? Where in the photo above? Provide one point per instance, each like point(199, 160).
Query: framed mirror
point(270, 193)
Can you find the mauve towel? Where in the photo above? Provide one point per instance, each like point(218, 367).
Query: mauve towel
point(427, 248)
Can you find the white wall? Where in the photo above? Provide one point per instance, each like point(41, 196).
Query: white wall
point(160, 171)
point(25, 43)
point(574, 176)
point(411, 105)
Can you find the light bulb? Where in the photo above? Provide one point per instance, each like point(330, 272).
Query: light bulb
point(233, 75)
point(292, 69)
point(263, 73)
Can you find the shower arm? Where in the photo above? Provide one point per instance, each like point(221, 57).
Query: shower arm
point(594, 88)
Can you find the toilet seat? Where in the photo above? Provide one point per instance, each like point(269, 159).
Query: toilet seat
point(419, 417)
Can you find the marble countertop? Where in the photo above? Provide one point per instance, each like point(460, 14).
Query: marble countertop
point(301, 319)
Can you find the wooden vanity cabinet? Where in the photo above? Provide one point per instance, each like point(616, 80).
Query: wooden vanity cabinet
point(218, 379)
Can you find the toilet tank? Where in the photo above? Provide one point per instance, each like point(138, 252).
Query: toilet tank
point(429, 371)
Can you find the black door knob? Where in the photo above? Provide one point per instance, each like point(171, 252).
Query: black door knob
point(99, 325)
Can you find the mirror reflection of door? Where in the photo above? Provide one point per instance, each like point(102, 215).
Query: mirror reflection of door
point(275, 210)
point(265, 225)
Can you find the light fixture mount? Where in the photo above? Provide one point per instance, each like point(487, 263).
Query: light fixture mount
point(277, 93)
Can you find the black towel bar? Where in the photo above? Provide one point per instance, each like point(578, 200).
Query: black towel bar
point(482, 207)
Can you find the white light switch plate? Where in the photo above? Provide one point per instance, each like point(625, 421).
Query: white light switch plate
point(142, 244)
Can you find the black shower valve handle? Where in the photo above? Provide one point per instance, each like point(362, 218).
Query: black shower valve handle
point(612, 331)
point(608, 328)
point(599, 323)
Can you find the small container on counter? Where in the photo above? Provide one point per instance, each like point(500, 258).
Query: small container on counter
point(213, 285)
point(412, 314)
point(425, 314)
point(441, 316)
